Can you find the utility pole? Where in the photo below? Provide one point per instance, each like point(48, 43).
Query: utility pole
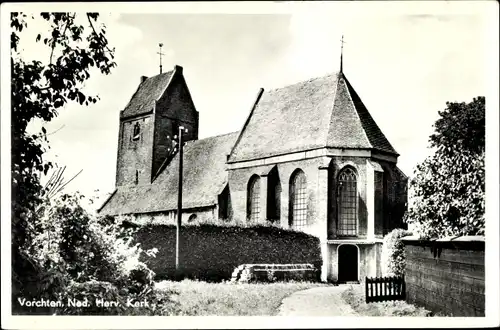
point(179, 199)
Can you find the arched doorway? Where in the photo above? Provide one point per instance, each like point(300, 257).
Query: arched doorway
point(348, 263)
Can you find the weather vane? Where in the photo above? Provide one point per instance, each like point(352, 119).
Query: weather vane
point(160, 53)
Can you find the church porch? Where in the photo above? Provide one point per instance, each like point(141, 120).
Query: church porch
point(351, 260)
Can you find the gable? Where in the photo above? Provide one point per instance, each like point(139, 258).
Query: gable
point(150, 90)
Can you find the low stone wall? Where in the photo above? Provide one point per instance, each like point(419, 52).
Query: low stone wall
point(446, 276)
point(275, 272)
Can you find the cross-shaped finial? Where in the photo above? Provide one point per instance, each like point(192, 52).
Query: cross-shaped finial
point(160, 53)
point(342, 42)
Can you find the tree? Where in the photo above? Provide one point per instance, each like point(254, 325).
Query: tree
point(447, 192)
point(39, 91)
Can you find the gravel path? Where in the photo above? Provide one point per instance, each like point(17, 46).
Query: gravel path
point(325, 301)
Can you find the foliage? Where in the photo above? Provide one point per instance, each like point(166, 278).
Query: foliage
point(39, 91)
point(215, 251)
point(196, 298)
point(448, 189)
point(93, 257)
point(393, 253)
point(355, 297)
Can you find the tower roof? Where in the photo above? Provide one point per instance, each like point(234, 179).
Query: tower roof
point(149, 90)
point(317, 113)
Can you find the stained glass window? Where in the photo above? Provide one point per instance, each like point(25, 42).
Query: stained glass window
point(347, 199)
point(298, 198)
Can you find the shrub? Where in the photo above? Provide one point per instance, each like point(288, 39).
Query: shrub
point(211, 252)
point(90, 291)
point(77, 255)
point(393, 254)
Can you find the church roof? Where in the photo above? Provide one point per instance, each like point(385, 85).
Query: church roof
point(317, 113)
point(150, 90)
point(204, 174)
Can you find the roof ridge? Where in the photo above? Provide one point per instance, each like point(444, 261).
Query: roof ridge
point(256, 102)
point(332, 108)
point(172, 74)
point(303, 81)
point(380, 141)
point(356, 110)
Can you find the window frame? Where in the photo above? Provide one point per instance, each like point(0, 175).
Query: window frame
point(349, 203)
point(253, 199)
point(298, 198)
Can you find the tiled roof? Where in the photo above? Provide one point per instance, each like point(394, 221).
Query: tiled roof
point(147, 93)
point(377, 139)
point(204, 175)
point(317, 113)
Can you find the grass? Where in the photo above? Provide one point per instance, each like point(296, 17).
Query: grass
point(196, 298)
point(355, 296)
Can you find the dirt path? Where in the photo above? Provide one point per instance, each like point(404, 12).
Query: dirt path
point(325, 301)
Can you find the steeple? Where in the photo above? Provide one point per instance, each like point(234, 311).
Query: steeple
point(341, 53)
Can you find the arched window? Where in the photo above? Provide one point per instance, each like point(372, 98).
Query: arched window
point(253, 198)
point(347, 203)
point(298, 200)
point(273, 195)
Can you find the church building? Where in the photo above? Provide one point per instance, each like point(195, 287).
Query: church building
point(309, 157)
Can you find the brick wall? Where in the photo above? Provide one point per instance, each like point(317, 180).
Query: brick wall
point(134, 155)
point(145, 155)
point(446, 276)
point(238, 182)
point(175, 108)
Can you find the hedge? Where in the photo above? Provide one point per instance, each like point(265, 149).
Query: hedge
point(210, 252)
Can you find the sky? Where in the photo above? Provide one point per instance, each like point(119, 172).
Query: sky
point(404, 61)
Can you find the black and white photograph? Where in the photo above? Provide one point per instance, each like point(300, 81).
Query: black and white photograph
point(272, 164)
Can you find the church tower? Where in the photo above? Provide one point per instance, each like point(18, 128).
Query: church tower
point(148, 125)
